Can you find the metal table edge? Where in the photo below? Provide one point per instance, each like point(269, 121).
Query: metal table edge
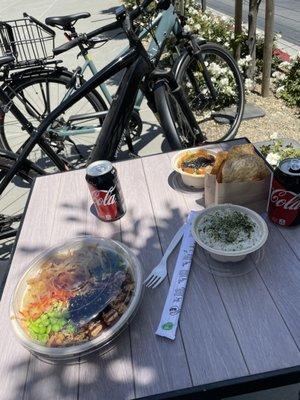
point(18, 234)
point(233, 387)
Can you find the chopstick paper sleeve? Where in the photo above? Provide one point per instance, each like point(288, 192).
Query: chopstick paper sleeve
point(171, 312)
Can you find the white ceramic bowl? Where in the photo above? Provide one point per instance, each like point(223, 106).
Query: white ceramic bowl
point(231, 256)
point(193, 180)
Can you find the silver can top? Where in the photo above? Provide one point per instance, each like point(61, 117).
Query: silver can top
point(290, 166)
point(99, 168)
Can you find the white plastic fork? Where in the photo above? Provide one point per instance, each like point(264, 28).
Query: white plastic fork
point(158, 274)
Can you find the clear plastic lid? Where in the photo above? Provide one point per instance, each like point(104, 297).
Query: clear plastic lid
point(77, 296)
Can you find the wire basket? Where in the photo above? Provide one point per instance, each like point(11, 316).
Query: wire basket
point(28, 41)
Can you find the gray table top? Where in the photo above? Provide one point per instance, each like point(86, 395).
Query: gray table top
point(229, 327)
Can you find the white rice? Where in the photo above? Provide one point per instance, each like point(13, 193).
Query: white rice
point(242, 242)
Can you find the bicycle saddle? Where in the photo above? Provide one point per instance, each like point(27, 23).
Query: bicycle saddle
point(6, 60)
point(66, 21)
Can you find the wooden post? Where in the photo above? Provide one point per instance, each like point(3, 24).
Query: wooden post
point(268, 47)
point(238, 17)
point(181, 6)
point(252, 25)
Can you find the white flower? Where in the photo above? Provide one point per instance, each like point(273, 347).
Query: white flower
point(284, 64)
point(248, 83)
point(219, 39)
point(225, 18)
point(273, 158)
point(274, 135)
point(241, 62)
point(224, 81)
point(248, 58)
point(279, 76)
point(260, 35)
point(295, 57)
point(280, 90)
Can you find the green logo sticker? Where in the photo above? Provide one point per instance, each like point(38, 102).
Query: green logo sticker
point(167, 326)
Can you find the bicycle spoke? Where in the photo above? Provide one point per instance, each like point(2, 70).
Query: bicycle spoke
point(48, 105)
point(29, 106)
point(38, 99)
point(209, 104)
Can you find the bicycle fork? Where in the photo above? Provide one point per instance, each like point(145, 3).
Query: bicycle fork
point(160, 76)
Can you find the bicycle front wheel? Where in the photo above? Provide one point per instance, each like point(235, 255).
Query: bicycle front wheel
point(70, 136)
point(214, 89)
point(178, 128)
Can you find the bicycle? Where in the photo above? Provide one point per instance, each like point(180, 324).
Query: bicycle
point(140, 73)
point(187, 69)
point(31, 43)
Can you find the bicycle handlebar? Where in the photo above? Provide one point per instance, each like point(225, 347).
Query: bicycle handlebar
point(110, 27)
point(75, 42)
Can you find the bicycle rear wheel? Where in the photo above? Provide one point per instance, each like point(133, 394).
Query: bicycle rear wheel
point(218, 115)
point(36, 96)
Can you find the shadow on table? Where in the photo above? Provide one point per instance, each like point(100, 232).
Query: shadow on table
point(125, 359)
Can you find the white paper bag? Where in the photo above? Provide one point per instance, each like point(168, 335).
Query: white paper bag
point(253, 194)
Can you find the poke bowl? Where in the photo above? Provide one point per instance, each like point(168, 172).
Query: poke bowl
point(229, 232)
point(192, 165)
point(75, 298)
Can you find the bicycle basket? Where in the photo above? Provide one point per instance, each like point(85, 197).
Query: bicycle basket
point(28, 42)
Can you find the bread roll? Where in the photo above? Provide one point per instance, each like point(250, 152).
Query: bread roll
point(245, 168)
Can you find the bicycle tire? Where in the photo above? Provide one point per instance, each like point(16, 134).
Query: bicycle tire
point(181, 72)
point(62, 146)
point(178, 130)
point(13, 198)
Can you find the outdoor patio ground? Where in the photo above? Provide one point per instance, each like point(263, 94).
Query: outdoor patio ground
point(102, 11)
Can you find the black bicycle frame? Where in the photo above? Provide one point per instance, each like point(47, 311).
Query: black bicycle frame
point(120, 111)
point(131, 58)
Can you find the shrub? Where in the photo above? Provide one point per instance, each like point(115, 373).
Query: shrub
point(286, 72)
point(287, 81)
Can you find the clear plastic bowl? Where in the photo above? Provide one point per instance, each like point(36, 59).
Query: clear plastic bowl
point(86, 288)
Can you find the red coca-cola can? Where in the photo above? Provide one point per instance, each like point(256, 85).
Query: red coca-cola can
point(105, 189)
point(284, 199)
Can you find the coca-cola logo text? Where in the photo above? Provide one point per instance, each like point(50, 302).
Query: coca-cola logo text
point(104, 197)
point(285, 199)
